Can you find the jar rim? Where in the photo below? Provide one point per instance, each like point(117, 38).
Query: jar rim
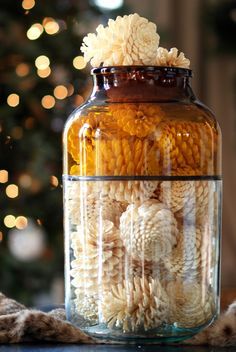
point(170, 70)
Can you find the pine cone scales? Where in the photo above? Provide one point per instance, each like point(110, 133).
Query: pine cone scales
point(189, 258)
point(149, 231)
point(99, 257)
point(140, 303)
point(84, 205)
point(188, 199)
point(190, 305)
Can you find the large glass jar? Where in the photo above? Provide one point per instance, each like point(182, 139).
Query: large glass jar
point(142, 205)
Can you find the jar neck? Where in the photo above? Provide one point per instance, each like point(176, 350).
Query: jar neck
point(142, 84)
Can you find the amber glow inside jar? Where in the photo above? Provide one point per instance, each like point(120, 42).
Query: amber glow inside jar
point(142, 205)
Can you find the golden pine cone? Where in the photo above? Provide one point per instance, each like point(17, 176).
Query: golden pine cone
point(191, 305)
point(179, 145)
point(138, 304)
point(99, 254)
point(82, 132)
point(99, 146)
point(149, 231)
point(138, 120)
point(190, 258)
point(187, 199)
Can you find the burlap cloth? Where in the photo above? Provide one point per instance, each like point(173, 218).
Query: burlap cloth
point(19, 324)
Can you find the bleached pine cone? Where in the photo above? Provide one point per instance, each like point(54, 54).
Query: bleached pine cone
point(191, 257)
point(98, 256)
point(84, 205)
point(128, 40)
point(187, 199)
point(171, 58)
point(149, 231)
point(128, 191)
point(191, 304)
point(140, 303)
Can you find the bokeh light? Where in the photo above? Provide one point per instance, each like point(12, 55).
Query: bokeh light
point(48, 101)
point(34, 31)
point(60, 92)
point(54, 181)
point(21, 222)
point(70, 89)
point(44, 73)
point(1, 236)
point(28, 4)
point(25, 181)
point(12, 191)
point(79, 62)
point(3, 176)
point(13, 100)
point(51, 26)
point(9, 221)
point(42, 62)
point(22, 69)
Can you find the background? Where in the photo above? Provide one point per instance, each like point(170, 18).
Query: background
point(43, 77)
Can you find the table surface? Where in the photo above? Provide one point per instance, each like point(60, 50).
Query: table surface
point(112, 348)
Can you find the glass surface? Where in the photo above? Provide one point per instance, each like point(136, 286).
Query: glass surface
point(142, 208)
point(143, 255)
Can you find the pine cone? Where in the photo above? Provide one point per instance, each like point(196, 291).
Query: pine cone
point(98, 256)
point(85, 205)
point(149, 231)
point(190, 258)
point(138, 120)
point(138, 304)
point(187, 199)
point(191, 304)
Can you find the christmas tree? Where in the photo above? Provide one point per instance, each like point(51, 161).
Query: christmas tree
point(41, 82)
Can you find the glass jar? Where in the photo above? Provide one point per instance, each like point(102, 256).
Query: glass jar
point(142, 207)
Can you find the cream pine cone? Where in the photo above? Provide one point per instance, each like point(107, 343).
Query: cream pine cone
point(191, 257)
point(84, 205)
point(187, 199)
point(171, 58)
point(99, 255)
point(87, 306)
point(191, 304)
point(138, 304)
point(149, 231)
point(128, 40)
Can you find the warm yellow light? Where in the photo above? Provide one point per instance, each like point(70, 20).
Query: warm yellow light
point(35, 31)
point(42, 62)
point(21, 222)
point(28, 4)
point(3, 176)
point(54, 181)
point(22, 69)
point(25, 181)
point(79, 62)
point(60, 92)
point(51, 27)
point(48, 101)
point(12, 191)
point(13, 100)
point(9, 221)
point(44, 73)
point(70, 89)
